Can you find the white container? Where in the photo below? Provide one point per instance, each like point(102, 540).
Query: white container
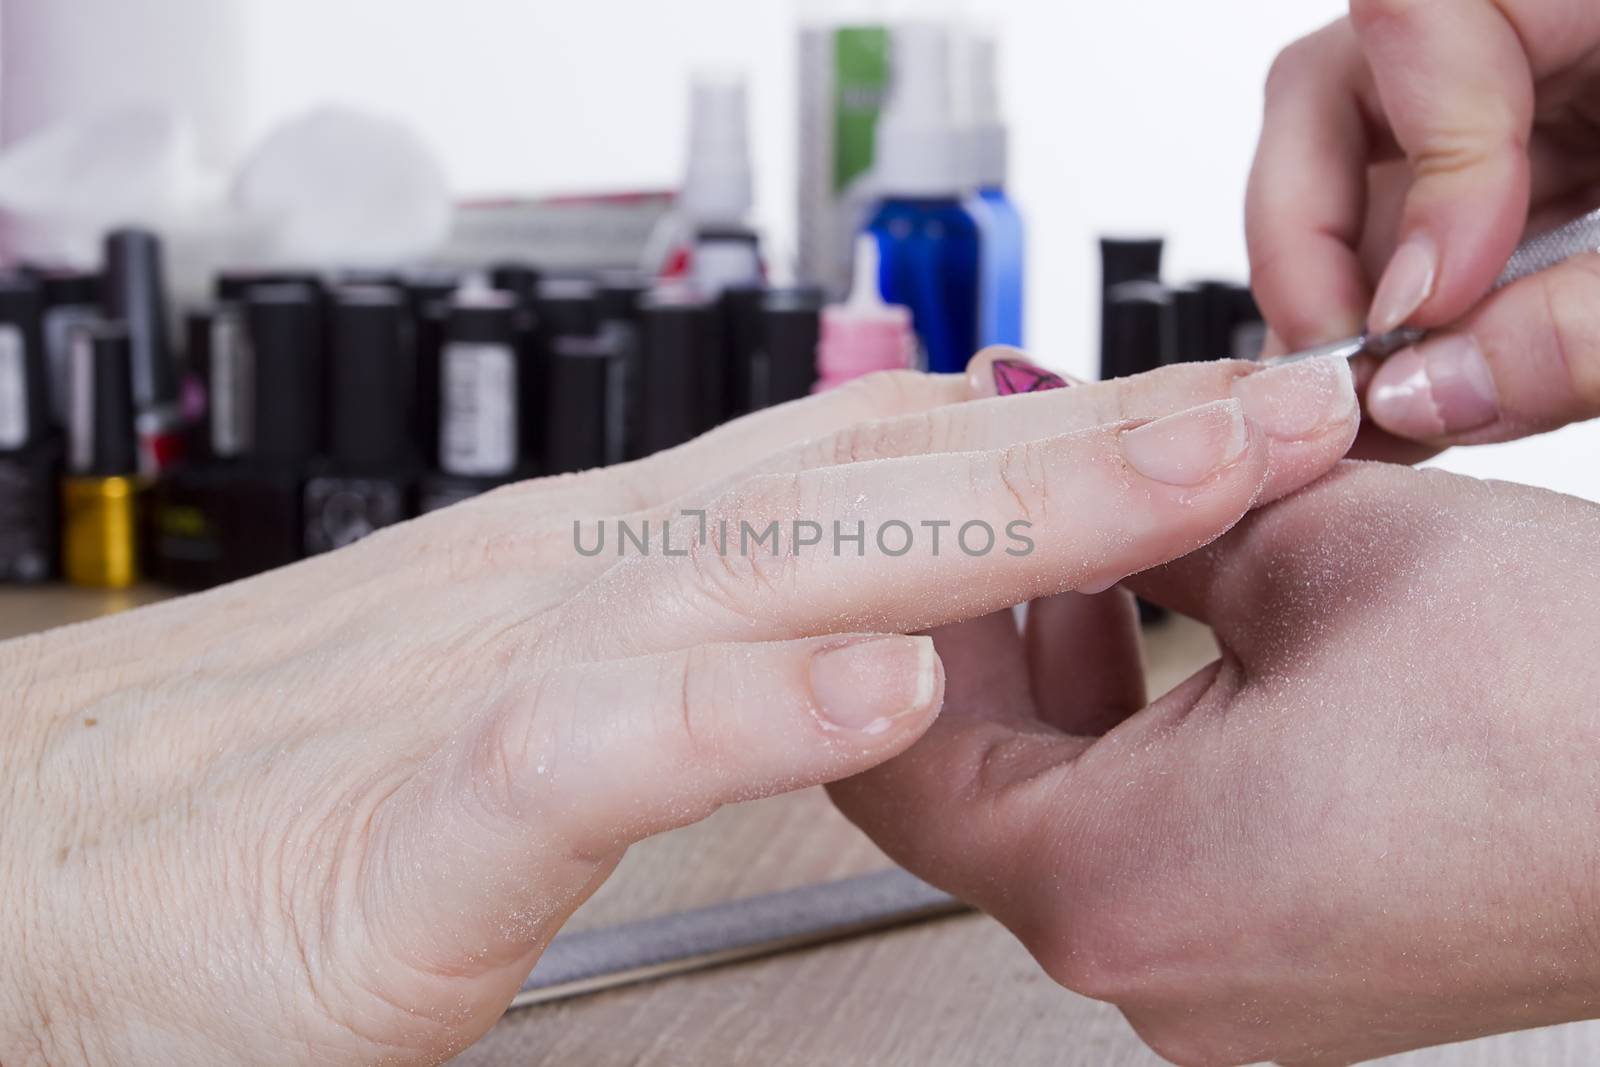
point(68, 59)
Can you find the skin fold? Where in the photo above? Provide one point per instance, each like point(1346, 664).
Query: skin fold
point(332, 814)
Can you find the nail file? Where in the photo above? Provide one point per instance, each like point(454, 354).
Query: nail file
point(1581, 235)
point(588, 961)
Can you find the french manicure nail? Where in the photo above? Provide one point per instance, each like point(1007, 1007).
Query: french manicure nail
point(1406, 285)
point(1296, 400)
point(1439, 388)
point(865, 685)
point(1189, 447)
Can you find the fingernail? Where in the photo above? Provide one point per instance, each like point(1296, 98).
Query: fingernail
point(1189, 447)
point(866, 685)
point(1406, 284)
point(1439, 388)
point(1297, 400)
point(1008, 375)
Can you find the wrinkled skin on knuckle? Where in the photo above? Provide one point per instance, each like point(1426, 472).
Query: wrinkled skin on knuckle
point(881, 395)
point(740, 576)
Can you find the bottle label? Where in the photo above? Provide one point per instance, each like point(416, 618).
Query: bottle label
point(14, 428)
point(230, 386)
point(80, 405)
point(60, 325)
point(478, 410)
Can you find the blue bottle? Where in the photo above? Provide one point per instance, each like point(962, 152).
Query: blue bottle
point(928, 251)
point(1000, 269)
point(928, 239)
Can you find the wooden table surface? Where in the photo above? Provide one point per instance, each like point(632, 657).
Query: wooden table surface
point(953, 991)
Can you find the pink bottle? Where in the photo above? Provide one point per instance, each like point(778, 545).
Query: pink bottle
point(863, 334)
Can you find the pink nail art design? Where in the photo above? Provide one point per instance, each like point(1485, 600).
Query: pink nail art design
point(1012, 376)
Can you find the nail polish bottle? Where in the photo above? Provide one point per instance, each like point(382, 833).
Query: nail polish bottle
point(262, 517)
point(30, 448)
point(429, 293)
point(369, 477)
point(681, 368)
point(620, 296)
point(740, 310)
point(185, 534)
point(72, 299)
point(785, 367)
point(1123, 259)
point(1191, 325)
point(135, 294)
point(1139, 327)
point(863, 334)
point(100, 493)
point(585, 421)
point(481, 420)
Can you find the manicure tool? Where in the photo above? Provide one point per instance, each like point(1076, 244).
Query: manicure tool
point(1534, 255)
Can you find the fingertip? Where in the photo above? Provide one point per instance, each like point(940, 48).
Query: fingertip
point(870, 687)
point(1003, 370)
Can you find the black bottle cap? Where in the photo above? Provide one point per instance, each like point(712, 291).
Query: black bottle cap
point(483, 318)
point(371, 385)
point(567, 307)
point(1140, 328)
point(233, 286)
point(135, 293)
point(101, 438)
point(521, 280)
point(791, 327)
point(584, 420)
point(284, 324)
point(1128, 259)
point(431, 288)
point(680, 368)
point(743, 335)
point(363, 277)
point(24, 381)
point(619, 294)
point(70, 288)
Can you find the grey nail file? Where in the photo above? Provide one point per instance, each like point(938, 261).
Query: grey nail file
point(591, 960)
point(1578, 237)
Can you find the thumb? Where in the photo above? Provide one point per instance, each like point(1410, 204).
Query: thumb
point(1455, 84)
point(506, 830)
point(1526, 361)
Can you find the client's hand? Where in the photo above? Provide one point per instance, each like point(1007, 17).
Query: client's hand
point(1369, 827)
point(333, 814)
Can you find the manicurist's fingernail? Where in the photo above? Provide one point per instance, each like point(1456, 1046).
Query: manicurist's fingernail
point(866, 685)
point(1189, 447)
point(1406, 284)
point(1297, 400)
point(1440, 388)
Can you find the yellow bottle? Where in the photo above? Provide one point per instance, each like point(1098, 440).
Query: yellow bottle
point(101, 492)
point(100, 531)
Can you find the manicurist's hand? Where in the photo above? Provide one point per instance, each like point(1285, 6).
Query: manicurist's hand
point(333, 814)
point(1368, 827)
point(1405, 152)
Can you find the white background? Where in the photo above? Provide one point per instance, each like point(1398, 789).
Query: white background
point(1127, 116)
